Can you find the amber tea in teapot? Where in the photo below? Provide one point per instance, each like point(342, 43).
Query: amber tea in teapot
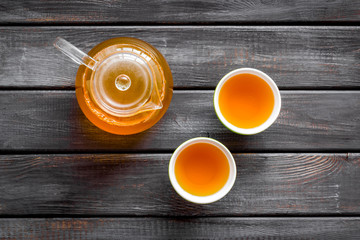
point(123, 85)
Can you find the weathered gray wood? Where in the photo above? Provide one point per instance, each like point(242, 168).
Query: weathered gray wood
point(52, 120)
point(138, 184)
point(296, 57)
point(181, 228)
point(177, 11)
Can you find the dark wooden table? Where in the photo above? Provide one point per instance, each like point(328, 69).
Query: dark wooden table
point(61, 177)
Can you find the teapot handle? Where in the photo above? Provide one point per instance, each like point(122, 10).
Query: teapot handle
point(74, 53)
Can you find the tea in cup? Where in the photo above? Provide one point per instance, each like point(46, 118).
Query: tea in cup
point(202, 170)
point(247, 101)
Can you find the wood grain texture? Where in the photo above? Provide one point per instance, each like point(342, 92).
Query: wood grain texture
point(52, 121)
point(138, 185)
point(180, 228)
point(178, 11)
point(296, 57)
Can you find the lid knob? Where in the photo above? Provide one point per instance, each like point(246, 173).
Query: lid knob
point(122, 82)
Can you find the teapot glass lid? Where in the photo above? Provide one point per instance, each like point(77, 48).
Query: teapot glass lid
point(122, 83)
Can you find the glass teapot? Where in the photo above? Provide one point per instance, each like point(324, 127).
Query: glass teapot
point(123, 85)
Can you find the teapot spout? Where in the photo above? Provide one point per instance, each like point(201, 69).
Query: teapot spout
point(156, 106)
point(154, 102)
point(151, 105)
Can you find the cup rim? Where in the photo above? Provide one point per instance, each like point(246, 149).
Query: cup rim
point(209, 198)
point(268, 122)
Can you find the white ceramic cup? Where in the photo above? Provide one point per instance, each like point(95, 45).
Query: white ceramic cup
point(203, 199)
point(269, 121)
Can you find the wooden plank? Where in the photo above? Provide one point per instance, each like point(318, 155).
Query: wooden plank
point(138, 185)
point(178, 11)
point(180, 228)
point(52, 121)
point(296, 57)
